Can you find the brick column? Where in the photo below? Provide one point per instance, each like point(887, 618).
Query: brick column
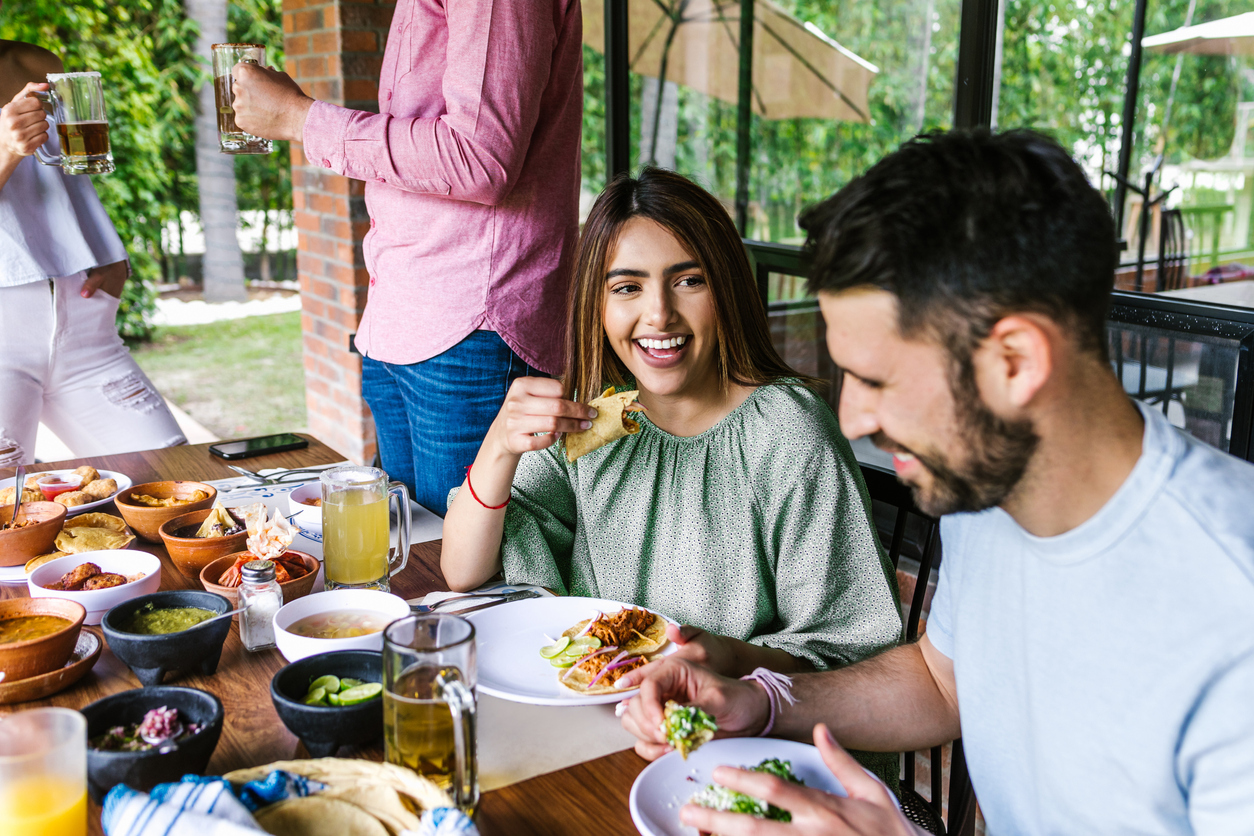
point(334, 51)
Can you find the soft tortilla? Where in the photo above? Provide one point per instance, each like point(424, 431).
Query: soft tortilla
point(314, 815)
point(649, 641)
point(613, 422)
point(92, 533)
point(97, 520)
point(35, 562)
point(344, 772)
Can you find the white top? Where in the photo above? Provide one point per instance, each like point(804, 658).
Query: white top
point(52, 224)
point(1106, 675)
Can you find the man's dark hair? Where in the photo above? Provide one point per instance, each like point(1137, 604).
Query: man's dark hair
point(967, 227)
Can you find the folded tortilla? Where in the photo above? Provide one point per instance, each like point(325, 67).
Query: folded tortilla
point(613, 421)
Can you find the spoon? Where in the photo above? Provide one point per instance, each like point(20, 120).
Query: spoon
point(19, 481)
point(220, 616)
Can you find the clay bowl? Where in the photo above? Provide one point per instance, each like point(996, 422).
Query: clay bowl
point(324, 729)
point(144, 770)
point(293, 589)
point(191, 554)
point(21, 660)
point(146, 521)
point(196, 649)
point(21, 544)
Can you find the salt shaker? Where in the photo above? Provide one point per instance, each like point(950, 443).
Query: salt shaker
point(261, 597)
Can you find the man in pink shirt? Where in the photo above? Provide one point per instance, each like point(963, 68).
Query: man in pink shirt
point(472, 183)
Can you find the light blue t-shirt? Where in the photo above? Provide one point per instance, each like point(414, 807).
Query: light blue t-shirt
point(1106, 676)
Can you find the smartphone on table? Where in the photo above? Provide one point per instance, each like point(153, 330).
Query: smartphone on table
point(249, 447)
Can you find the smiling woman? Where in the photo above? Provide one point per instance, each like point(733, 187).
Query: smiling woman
point(737, 510)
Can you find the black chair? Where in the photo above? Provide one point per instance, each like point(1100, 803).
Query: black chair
point(1173, 252)
point(923, 538)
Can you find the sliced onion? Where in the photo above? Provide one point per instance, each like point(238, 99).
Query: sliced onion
point(591, 621)
point(607, 668)
point(609, 649)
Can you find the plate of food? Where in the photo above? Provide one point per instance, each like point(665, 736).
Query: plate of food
point(79, 490)
point(671, 781)
point(564, 651)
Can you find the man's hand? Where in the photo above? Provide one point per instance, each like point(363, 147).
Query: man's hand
point(739, 708)
point(701, 648)
point(268, 103)
point(109, 277)
point(22, 124)
point(869, 809)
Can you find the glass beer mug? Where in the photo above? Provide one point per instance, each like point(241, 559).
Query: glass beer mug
point(78, 112)
point(355, 527)
point(429, 714)
point(232, 140)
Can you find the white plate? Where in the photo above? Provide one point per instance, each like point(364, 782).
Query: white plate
point(508, 641)
point(122, 479)
point(666, 784)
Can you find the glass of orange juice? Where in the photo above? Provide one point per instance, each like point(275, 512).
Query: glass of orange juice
point(43, 773)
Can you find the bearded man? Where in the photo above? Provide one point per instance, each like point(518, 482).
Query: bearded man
point(1090, 636)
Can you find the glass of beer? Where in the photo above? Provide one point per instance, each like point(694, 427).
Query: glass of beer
point(356, 529)
point(78, 111)
point(429, 702)
point(43, 773)
point(231, 140)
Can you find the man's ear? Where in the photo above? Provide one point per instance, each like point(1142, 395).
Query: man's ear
point(1015, 361)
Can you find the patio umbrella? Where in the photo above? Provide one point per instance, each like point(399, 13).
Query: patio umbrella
point(797, 70)
point(1227, 36)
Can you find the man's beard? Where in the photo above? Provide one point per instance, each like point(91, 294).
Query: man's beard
point(998, 452)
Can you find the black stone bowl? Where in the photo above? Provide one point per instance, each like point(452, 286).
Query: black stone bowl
point(144, 770)
point(196, 650)
point(324, 729)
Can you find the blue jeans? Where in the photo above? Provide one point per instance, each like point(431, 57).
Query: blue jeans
point(431, 417)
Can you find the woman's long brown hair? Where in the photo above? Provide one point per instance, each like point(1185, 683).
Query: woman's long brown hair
point(705, 230)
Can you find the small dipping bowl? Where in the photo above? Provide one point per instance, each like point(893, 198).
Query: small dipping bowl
point(144, 770)
point(196, 649)
point(324, 729)
point(192, 554)
point(146, 520)
point(293, 589)
point(294, 647)
point(307, 517)
point(43, 654)
point(19, 545)
point(53, 486)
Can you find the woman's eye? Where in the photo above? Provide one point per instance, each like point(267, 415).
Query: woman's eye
point(624, 289)
point(691, 281)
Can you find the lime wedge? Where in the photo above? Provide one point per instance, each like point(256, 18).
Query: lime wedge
point(551, 650)
point(330, 683)
point(334, 699)
point(316, 696)
point(589, 642)
point(563, 661)
point(347, 683)
point(361, 693)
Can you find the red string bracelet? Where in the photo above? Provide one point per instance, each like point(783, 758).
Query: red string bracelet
point(476, 496)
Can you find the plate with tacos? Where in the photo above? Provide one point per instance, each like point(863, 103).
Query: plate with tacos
point(565, 651)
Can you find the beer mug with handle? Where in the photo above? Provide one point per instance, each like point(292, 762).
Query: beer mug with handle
point(231, 139)
point(429, 712)
point(78, 112)
point(355, 527)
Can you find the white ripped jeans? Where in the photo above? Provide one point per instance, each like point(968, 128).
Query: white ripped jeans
point(62, 362)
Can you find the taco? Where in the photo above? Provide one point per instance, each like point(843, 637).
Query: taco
point(612, 423)
point(633, 629)
point(600, 670)
point(687, 727)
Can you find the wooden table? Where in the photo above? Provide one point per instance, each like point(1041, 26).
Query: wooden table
point(587, 798)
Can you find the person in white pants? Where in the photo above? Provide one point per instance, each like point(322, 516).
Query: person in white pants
point(62, 268)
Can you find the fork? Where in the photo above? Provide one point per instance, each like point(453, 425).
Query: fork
point(505, 598)
point(274, 478)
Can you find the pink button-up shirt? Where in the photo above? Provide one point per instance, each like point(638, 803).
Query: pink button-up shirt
point(472, 176)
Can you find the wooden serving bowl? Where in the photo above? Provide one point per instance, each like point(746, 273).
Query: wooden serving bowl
point(293, 589)
point(147, 521)
point(21, 544)
point(21, 660)
point(191, 554)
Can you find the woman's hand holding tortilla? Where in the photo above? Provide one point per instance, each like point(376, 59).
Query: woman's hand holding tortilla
point(533, 414)
point(739, 708)
point(867, 810)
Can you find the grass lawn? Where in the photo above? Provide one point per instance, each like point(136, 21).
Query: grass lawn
point(239, 377)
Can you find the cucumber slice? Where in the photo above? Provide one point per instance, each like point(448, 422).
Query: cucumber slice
point(551, 650)
point(331, 684)
point(361, 693)
point(316, 696)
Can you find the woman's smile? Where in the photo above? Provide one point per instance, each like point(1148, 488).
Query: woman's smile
point(662, 351)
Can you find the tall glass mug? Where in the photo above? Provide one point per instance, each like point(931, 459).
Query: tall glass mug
point(355, 548)
point(429, 702)
point(43, 773)
point(78, 112)
point(231, 140)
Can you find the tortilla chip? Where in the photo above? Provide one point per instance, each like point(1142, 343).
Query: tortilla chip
point(612, 423)
point(35, 562)
point(98, 520)
point(317, 816)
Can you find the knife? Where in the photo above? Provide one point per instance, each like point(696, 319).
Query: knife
point(521, 595)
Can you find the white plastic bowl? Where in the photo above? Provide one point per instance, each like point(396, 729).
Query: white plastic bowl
point(294, 647)
point(99, 601)
point(308, 517)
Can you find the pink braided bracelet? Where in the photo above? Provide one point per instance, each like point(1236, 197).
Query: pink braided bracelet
point(778, 688)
